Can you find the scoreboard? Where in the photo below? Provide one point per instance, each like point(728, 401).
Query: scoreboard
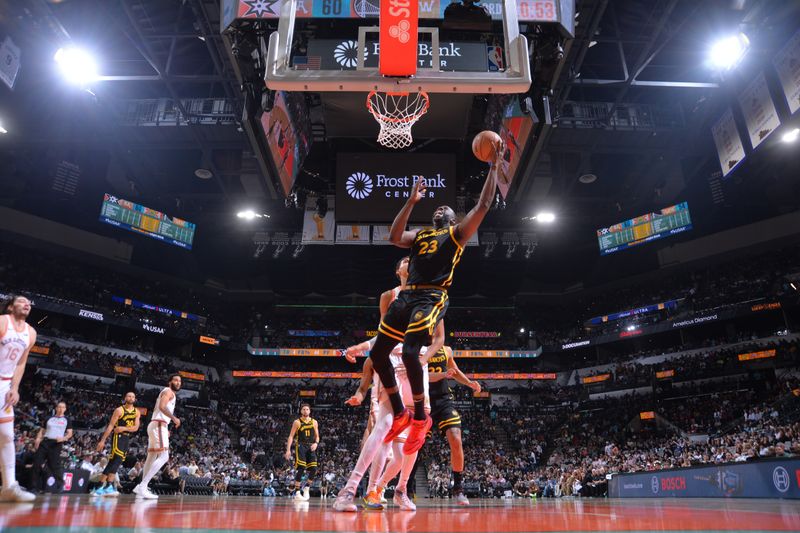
point(669, 221)
point(139, 219)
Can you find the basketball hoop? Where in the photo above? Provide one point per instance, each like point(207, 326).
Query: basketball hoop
point(397, 112)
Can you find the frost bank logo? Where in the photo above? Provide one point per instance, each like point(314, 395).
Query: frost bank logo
point(346, 54)
point(359, 185)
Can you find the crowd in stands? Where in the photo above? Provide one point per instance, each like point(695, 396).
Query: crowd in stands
point(92, 287)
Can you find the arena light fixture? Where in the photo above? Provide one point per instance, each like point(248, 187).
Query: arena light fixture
point(249, 214)
point(545, 217)
point(2, 129)
point(522, 330)
point(76, 65)
point(791, 135)
point(728, 51)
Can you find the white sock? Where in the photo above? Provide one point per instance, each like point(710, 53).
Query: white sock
point(7, 455)
point(393, 468)
point(383, 424)
point(405, 471)
point(377, 467)
point(152, 465)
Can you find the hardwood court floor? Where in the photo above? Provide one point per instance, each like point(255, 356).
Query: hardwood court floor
point(201, 514)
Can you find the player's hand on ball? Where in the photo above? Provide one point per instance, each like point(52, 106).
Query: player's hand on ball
point(418, 193)
point(499, 152)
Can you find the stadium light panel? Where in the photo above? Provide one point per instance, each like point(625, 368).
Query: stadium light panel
point(791, 135)
point(2, 129)
point(545, 217)
point(77, 66)
point(727, 52)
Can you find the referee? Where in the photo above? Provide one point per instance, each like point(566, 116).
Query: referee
point(56, 431)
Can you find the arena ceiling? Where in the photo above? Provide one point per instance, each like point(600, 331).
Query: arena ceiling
point(627, 56)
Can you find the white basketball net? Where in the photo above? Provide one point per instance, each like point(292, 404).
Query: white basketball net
point(397, 113)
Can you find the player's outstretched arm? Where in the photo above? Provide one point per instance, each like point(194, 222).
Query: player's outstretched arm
point(458, 375)
point(469, 225)
point(398, 234)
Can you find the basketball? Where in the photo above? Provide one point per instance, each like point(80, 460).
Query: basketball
point(483, 145)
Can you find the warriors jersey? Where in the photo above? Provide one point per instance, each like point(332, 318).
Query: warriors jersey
point(128, 418)
point(438, 364)
point(434, 256)
point(305, 433)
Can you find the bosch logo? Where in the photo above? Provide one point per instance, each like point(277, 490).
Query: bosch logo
point(359, 185)
point(780, 478)
point(400, 31)
point(654, 484)
point(346, 54)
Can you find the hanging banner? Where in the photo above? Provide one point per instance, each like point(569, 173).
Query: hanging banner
point(319, 228)
point(352, 234)
point(787, 63)
point(664, 374)
point(759, 110)
point(647, 415)
point(9, 62)
point(728, 141)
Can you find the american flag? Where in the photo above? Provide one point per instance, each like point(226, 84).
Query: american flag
point(307, 62)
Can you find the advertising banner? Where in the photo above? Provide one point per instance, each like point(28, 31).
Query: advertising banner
point(595, 379)
point(124, 370)
point(374, 187)
point(338, 54)
point(191, 375)
point(763, 479)
point(752, 356)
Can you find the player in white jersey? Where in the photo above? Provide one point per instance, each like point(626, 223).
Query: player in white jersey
point(158, 436)
point(16, 340)
point(383, 421)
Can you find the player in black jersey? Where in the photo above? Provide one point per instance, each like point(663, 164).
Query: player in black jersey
point(441, 366)
point(413, 316)
point(305, 451)
point(124, 422)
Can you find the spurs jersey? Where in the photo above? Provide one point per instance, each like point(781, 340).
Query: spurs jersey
point(158, 414)
point(12, 345)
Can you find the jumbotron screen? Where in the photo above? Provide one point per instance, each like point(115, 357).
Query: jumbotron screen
point(669, 221)
point(139, 219)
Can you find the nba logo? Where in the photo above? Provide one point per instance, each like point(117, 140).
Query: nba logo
point(495, 57)
point(68, 481)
